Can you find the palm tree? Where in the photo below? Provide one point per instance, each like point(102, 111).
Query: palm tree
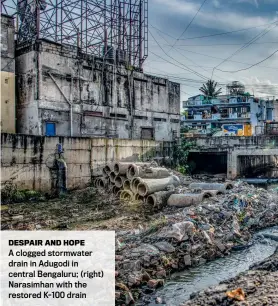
point(209, 89)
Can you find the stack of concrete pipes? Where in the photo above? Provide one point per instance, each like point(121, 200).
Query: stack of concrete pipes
point(153, 185)
point(139, 181)
point(200, 191)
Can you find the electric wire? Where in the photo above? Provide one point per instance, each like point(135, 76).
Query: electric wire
point(169, 62)
point(191, 21)
point(190, 51)
point(190, 59)
point(189, 69)
point(213, 45)
point(216, 34)
point(234, 71)
point(258, 36)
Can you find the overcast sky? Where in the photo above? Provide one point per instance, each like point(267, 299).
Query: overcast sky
point(168, 19)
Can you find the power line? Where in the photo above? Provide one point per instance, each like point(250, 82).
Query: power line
point(165, 60)
point(189, 23)
point(175, 76)
point(258, 36)
point(223, 59)
point(196, 73)
point(251, 65)
point(212, 45)
point(216, 34)
point(188, 58)
point(262, 87)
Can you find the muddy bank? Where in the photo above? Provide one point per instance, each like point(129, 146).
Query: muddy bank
point(258, 286)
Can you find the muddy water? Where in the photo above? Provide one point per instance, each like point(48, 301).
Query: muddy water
point(181, 285)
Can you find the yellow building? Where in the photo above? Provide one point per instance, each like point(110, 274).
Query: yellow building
point(7, 102)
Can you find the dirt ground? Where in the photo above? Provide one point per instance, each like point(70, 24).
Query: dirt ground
point(79, 210)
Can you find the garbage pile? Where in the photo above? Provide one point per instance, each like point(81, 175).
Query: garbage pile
point(191, 235)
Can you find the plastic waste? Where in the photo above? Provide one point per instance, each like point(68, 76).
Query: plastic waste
point(237, 294)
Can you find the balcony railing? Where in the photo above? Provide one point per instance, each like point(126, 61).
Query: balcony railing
point(217, 116)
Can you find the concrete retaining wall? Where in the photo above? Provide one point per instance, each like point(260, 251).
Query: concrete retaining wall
point(243, 153)
point(25, 157)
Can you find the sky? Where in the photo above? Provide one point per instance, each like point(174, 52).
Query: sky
point(177, 51)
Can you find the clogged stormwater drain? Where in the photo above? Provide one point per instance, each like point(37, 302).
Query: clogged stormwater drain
point(183, 284)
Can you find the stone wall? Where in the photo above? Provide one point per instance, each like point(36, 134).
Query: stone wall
point(25, 158)
point(107, 100)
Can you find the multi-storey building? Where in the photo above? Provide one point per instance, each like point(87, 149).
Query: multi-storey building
point(239, 115)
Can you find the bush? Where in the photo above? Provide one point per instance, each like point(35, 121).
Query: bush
point(180, 155)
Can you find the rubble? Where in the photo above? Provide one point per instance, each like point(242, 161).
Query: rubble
point(152, 245)
point(192, 235)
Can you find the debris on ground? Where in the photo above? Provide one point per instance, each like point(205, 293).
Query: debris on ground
point(196, 234)
point(257, 286)
point(151, 244)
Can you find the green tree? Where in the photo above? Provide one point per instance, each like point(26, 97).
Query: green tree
point(209, 89)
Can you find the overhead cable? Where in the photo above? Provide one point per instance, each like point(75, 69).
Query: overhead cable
point(251, 65)
point(189, 23)
point(189, 69)
point(258, 36)
point(216, 34)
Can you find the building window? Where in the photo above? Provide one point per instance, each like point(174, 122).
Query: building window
point(174, 120)
point(147, 133)
point(50, 129)
point(141, 117)
point(159, 119)
point(93, 114)
point(6, 81)
point(113, 115)
point(269, 114)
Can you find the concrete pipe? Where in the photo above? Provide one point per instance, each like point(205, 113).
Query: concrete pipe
point(137, 197)
point(119, 181)
point(146, 172)
point(148, 186)
point(133, 171)
point(185, 200)
point(118, 194)
point(212, 193)
point(126, 185)
point(102, 183)
point(112, 176)
point(122, 167)
point(95, 182)
point(126, 195)
point(159, 199)
point(212, 186)
point(134, 184)
point(115, 190)
point(104, 173)
point(107, 169)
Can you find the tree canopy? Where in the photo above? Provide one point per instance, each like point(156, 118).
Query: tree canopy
point(209, 89)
